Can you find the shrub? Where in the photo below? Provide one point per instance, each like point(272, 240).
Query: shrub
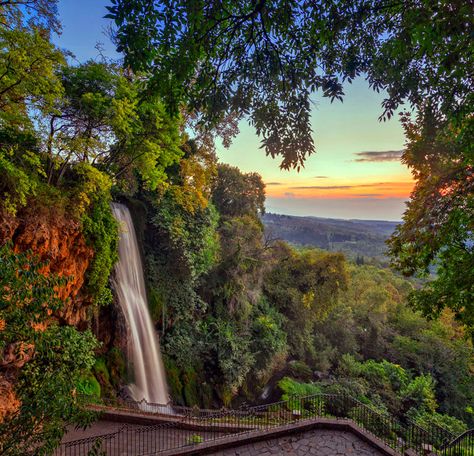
point(15, 186)
point(290, 387)
point(194, 439)
point(299, 370)
point(88, 385)
point(425, 419)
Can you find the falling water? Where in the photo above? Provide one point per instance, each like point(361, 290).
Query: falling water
point(144, 348)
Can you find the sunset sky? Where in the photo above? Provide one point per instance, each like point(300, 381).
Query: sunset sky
point(356, 172)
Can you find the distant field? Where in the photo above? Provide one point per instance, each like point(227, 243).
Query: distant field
point(363, 238)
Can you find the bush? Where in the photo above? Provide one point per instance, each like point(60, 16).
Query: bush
point(62, 359)
point(15, 185)
point(88, 385)
point(290, 387)
point(194, 439)
point(420, 394)
point(299, 370)
point(425, 419)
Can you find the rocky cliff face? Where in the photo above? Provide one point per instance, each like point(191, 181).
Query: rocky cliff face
point(58, 242)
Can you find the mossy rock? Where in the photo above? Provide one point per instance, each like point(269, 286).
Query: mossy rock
point(174, 381)
point(89, 386)
point(100, 371)
point(102, 375)
point(116, 367)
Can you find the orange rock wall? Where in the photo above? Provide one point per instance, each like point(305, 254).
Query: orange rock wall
point(57, 240)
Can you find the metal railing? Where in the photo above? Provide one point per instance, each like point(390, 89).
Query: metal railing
point(460, 446)
point(192, 426)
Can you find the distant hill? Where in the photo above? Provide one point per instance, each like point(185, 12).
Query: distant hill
point(363, 238)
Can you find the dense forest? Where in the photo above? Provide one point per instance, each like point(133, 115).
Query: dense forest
point(242, 317)
point(361, 240)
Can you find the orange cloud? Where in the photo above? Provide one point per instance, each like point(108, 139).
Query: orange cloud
point(379, 190)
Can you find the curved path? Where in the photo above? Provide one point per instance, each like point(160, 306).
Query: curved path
point(317, 442)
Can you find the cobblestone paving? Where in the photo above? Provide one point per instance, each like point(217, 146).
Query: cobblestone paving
point(315, 442)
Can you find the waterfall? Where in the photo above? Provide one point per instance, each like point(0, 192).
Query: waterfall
point(144, 348)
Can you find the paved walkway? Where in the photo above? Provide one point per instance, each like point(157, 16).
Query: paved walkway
point(317, 442)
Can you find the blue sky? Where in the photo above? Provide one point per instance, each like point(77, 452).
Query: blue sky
point(356, 172)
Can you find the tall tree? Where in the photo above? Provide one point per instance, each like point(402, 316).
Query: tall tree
point(437, 233)
point(238, 194)
point(103, 118)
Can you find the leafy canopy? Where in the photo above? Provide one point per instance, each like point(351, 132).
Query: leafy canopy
point(438, 225)
point(264, 59)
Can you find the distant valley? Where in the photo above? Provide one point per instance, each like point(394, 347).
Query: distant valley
point(355, 238)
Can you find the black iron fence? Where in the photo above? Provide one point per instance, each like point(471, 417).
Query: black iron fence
point(460, 446)
point(192, 426)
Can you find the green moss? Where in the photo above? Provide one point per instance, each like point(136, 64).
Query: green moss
point(116, 366)
point(190, 389)
point(100, 371)
point(155, 304)
point(88, 385)
point(174, 382)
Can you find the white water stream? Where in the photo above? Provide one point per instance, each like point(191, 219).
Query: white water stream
point(144, 348)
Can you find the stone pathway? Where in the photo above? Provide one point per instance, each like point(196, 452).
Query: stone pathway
point(317, 442)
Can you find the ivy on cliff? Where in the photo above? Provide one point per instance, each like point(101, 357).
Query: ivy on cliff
point(39, 359)
point(92, 201)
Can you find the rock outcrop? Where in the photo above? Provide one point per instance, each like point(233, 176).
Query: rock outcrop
point(59, 244)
